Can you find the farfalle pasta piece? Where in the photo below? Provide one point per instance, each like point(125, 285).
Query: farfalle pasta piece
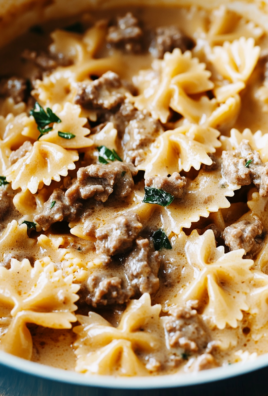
point(180, 149)
point(236, 61)
point(262, 95)
point(227, 25)
point(175, 76)
point(78, 48)
point(58, 87)
point(37, 295)
point(258, 306)
point(71, 122)
point(204, 195)
point(224, 116)
point(8, 106)
point(225, 278)
point(106, 137)
point(106, 350)
point(257, 141)
point(14, 242)
point(12, 132)
point(44, 163)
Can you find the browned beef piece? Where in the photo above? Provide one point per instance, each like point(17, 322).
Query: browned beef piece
point(174, 185)
point(102, 290)
point(5, 202)
point(167, 39)
point(245, 235)
point(21, 152)
point(106, 92)
point(126, 33)
point(44, 60)
point(142, 266)
point(100, 181)
point(186, 330)
point(213, 166)
point(57, 208)
point(244, 166)
point(138, 130)
point(14, 87)
point(118, 235)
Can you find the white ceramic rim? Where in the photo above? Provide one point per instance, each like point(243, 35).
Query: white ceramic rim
point(160, 382)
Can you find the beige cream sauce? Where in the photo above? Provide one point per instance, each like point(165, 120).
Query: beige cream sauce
point(53, 347)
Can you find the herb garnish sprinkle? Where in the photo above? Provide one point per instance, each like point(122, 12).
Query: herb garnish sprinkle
point(52, 204)
point(3, 181)
point(43, 119)
point(157, 196)
point(160, 240)
point(248, 163)
point(107, 155)
point(30, 225)
point(66, 135)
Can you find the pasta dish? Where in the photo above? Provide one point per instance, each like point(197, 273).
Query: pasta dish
point(134, 191)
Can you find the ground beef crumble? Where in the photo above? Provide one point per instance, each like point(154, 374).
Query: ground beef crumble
point(245, 234)
point(106, 92)
point(174, 185)
point(186, 330)
point(5, 202)
point(167, 39)
point(57, 208)
point(101, 180)
point(138, 131)
point(118, 235)
point(14, 87)
point(142, 266)
point(104, 290)
point(126, 33)
point(244, 166)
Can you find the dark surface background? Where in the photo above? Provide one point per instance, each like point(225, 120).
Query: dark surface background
point(14, 383)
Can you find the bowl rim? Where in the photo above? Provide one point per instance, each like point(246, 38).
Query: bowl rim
point(113, 382)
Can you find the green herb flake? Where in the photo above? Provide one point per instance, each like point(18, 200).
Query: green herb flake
point(79, 249)
point(66, 135)
point(53, 203)
point(102, 160)
point(3, 181)
point(108, 154)
point(123, 173)
point(185, 356)
point(223, 185)
point(248, 163)
point(157, 196)
point(30, 225)
point(161, 240)
point(43, 118)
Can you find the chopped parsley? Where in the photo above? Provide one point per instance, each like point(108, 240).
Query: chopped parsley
point(43, 119)
point(223, 185)
point(53, 203)
point(123, 173)
point(76, 27)
point(157, 196)
point(248, 163)
point(66, 135)
point(3, 181)
point(185, 356)
point(107, 155)
point(161, 240)
point(102, 160)
point(30, 225)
